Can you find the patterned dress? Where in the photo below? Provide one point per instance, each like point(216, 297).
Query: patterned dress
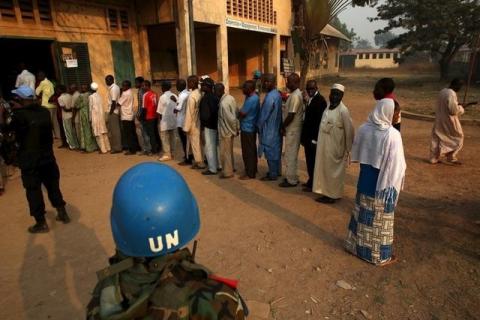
point(87, 140)
point(370, 232)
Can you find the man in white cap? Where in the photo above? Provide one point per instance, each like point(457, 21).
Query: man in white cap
point(97, 117)
point(335, 140)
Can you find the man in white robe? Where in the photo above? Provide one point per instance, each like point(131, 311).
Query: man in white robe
point(335, 139)
point(97, 117)
point(25, 78)
point(192, 122)
point(447, 133)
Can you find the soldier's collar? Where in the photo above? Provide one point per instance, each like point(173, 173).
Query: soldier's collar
point(121, 262)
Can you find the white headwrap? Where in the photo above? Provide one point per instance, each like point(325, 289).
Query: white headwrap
point(380, 145)
point(338, 86)
point(382, 115)
point(94, 86)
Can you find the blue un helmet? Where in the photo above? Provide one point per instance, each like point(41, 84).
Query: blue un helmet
point(153, 211)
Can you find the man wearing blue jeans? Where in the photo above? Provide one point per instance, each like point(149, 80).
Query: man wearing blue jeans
point(248, 137)
point(209, 122)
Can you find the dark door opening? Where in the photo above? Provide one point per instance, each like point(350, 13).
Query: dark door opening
point(162, 43)
point(36, 54)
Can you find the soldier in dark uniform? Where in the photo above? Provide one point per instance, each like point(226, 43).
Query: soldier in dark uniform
point(153, 215)
point(33, 131)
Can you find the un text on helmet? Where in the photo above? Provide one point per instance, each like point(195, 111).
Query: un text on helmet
point(171, 240)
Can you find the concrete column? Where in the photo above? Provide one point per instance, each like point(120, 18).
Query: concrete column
point(182, 30)
point(222, 56)
point(144, 52)
point(275, 59)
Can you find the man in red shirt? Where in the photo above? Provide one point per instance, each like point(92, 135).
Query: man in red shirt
point(149, 114)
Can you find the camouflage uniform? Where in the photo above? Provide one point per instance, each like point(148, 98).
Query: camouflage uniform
point(170, 287)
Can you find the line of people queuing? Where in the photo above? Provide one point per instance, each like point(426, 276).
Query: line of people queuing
point(207, 120)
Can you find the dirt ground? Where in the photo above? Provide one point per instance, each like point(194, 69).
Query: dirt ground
point(414, 93)
point(286, 249)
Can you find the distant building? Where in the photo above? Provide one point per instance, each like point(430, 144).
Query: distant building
point(326, 58)
point(370, 58)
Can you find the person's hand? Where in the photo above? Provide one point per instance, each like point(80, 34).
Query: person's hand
point(173, 98)
point(305, 95)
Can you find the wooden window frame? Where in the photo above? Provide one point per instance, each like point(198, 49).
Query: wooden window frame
point(27, 14)
point(8, 14)
point(45, 16)
point(112, 27)
point(124, 24)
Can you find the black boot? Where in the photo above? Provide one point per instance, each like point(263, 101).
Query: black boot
point(62, 215)
point(40, 226)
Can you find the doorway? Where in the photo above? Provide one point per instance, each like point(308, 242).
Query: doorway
point(36, 54)
point(162, 43)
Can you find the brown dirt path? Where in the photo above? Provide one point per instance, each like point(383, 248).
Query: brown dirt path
point(281, 244)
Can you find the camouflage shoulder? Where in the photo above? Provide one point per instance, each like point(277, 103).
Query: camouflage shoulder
point(215, 299)
point(195, 299)
point(93, 306)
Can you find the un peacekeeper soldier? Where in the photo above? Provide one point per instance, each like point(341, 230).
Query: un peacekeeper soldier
point(154, 214)
point(33, 132)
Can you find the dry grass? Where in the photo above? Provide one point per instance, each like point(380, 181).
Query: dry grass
point(416, 92)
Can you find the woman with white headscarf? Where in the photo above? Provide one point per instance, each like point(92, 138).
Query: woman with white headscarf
point(378, 148)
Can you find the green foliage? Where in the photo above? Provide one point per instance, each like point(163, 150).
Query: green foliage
point(349, 32)
point(363, 3)
point(382, 39)
point(441, 27)
point(363, 44)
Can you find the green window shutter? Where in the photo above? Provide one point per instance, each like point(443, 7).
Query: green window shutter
point(77, 51)
point(123, 61)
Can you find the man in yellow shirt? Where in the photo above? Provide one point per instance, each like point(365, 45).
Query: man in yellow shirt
point(45, 91)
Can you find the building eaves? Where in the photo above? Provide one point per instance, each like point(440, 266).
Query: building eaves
point(331, 31)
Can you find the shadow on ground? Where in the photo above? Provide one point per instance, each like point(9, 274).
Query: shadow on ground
point(53, 284)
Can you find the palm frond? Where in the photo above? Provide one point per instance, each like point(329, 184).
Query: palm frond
point(337, 6)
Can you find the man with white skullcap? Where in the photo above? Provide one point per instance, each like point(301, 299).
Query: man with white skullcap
point(97, 116)
point(335, 139)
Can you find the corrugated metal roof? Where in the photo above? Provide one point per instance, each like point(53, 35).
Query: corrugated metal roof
point(331, 31)
point(380, 50)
